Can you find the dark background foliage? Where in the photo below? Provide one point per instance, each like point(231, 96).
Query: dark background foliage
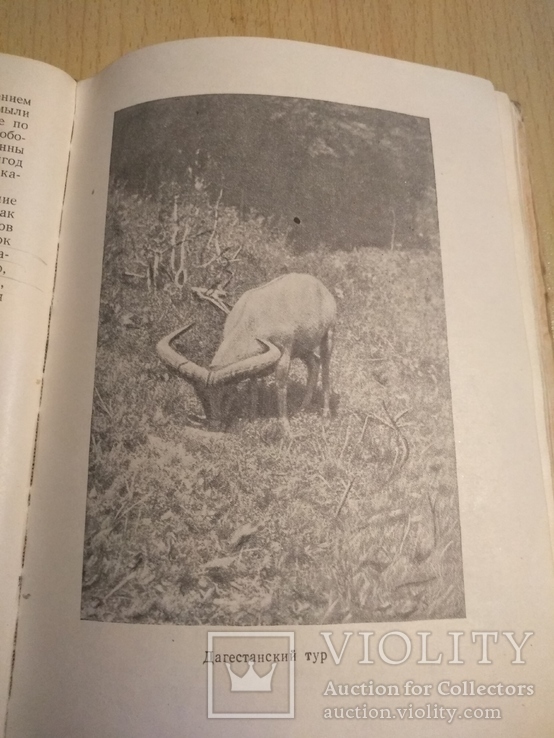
point(330, 174)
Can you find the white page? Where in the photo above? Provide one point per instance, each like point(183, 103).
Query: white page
point(95, 678)
point(37, 105)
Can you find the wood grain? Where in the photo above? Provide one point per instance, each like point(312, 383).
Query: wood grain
point(510, 42)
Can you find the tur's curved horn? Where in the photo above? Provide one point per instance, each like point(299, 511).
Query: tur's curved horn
point(184, 366)
point(245, 368)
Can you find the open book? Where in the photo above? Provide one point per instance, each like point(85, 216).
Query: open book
point(274, 375)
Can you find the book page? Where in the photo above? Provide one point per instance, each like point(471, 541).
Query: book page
point(36, 117)
point(203, 554)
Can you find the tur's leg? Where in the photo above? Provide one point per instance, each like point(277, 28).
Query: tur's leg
point(205, 402)
point(312, 365)
point(217, 408)
point(281, 379)
point(253, 388)
point(326, 350)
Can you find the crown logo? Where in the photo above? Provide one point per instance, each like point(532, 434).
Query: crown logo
point(251, 682)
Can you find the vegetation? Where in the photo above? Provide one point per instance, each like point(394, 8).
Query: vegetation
point(354, 522)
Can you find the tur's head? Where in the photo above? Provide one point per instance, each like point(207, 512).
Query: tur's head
point(210, 384)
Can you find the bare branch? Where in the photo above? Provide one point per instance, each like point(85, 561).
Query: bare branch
point(345, 495)
point(212, 296)
point(102, 403)
point(216, 217)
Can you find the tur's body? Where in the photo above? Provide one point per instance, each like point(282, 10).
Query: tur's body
point(290, 317)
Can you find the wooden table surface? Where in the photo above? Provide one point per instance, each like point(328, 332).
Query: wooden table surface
point(510, 42)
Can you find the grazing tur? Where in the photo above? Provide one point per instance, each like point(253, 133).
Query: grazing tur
point(290, 317)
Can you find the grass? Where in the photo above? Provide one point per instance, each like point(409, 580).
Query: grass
point(354, 522)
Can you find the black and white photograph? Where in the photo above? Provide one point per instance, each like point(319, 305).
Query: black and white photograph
point(272, 439)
